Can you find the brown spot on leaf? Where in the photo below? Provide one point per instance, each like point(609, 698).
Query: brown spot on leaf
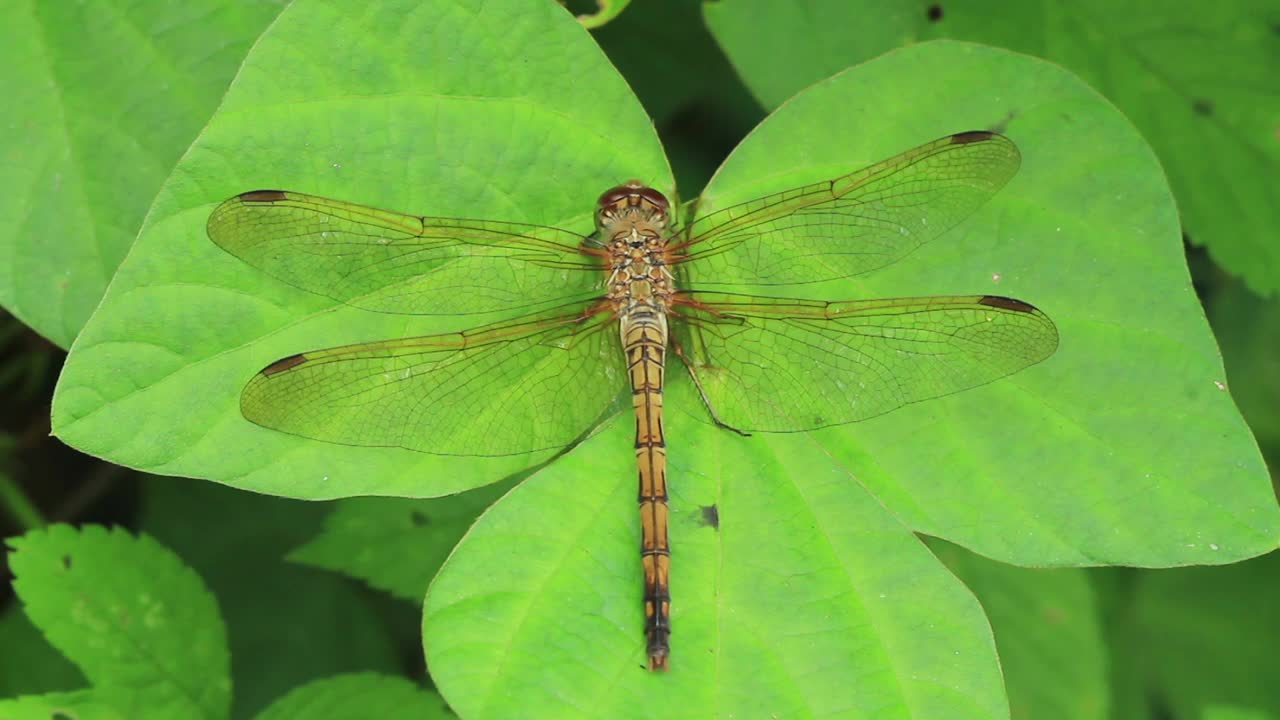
point(711, 516)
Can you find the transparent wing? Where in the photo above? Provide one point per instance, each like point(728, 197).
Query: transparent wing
point(852, 224)
point(529, 384)
point(780, 365)
point(389, 262)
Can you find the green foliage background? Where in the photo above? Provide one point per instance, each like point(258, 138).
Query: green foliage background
point(853, 572)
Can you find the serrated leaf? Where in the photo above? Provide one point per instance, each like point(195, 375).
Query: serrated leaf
point(286, 625)
point(356, 697)
point(1200, 86)
point(1047, 632)
point(495, 109)
point(394, 544)
point(101, 99)
point(138, 623)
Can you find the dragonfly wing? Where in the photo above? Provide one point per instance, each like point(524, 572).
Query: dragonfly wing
point(533, 383)
point(851, 224)
point(389, 262)
point(780, 365)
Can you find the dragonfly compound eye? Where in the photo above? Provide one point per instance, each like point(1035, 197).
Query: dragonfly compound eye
point(633, 194)
point(654, 197)
point(614, 196)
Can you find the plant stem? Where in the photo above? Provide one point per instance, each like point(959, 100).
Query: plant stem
point(19, 506)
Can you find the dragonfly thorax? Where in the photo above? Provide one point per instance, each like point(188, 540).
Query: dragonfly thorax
point(639, 279)
point(631, 224)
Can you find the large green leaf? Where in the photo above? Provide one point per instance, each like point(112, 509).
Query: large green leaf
point(1198, 80)
point(1081, 459)
point(100, 100)
point(494, 109)
point(1119, 448)
point(808, 600)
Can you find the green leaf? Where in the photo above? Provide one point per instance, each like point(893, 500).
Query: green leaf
point(607, 11)
point(494, 109)
point(138, 623)
point(100, 101)
point(42, 668)
point(1047, 632)
point(395, 545)
point(1084, 458)
point(81, 705)
point(356, 697)
point(808, 600)
point(1221, 712)
point(1248, 328)
point(286, 625)
point(1203, 634)
point(1199, 87)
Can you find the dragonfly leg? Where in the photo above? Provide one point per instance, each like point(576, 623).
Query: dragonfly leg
point(706, 402)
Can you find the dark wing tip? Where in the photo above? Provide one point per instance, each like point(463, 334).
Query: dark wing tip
point(222, 221)
point(1006, 303)
point(254, 196)
point(972, 136)
point(283, 364)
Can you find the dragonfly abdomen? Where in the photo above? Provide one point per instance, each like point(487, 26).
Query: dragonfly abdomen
point(644, 337)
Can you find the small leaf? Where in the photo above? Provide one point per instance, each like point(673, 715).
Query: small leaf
point(608, 10)
point(357, 697)
point(79, 705)
point(237, 541)
point(394, 544)
point(138, 622)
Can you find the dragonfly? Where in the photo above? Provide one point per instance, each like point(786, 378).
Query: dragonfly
point(591, 319)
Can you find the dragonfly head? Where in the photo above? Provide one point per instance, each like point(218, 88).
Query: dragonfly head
point(632, 202)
